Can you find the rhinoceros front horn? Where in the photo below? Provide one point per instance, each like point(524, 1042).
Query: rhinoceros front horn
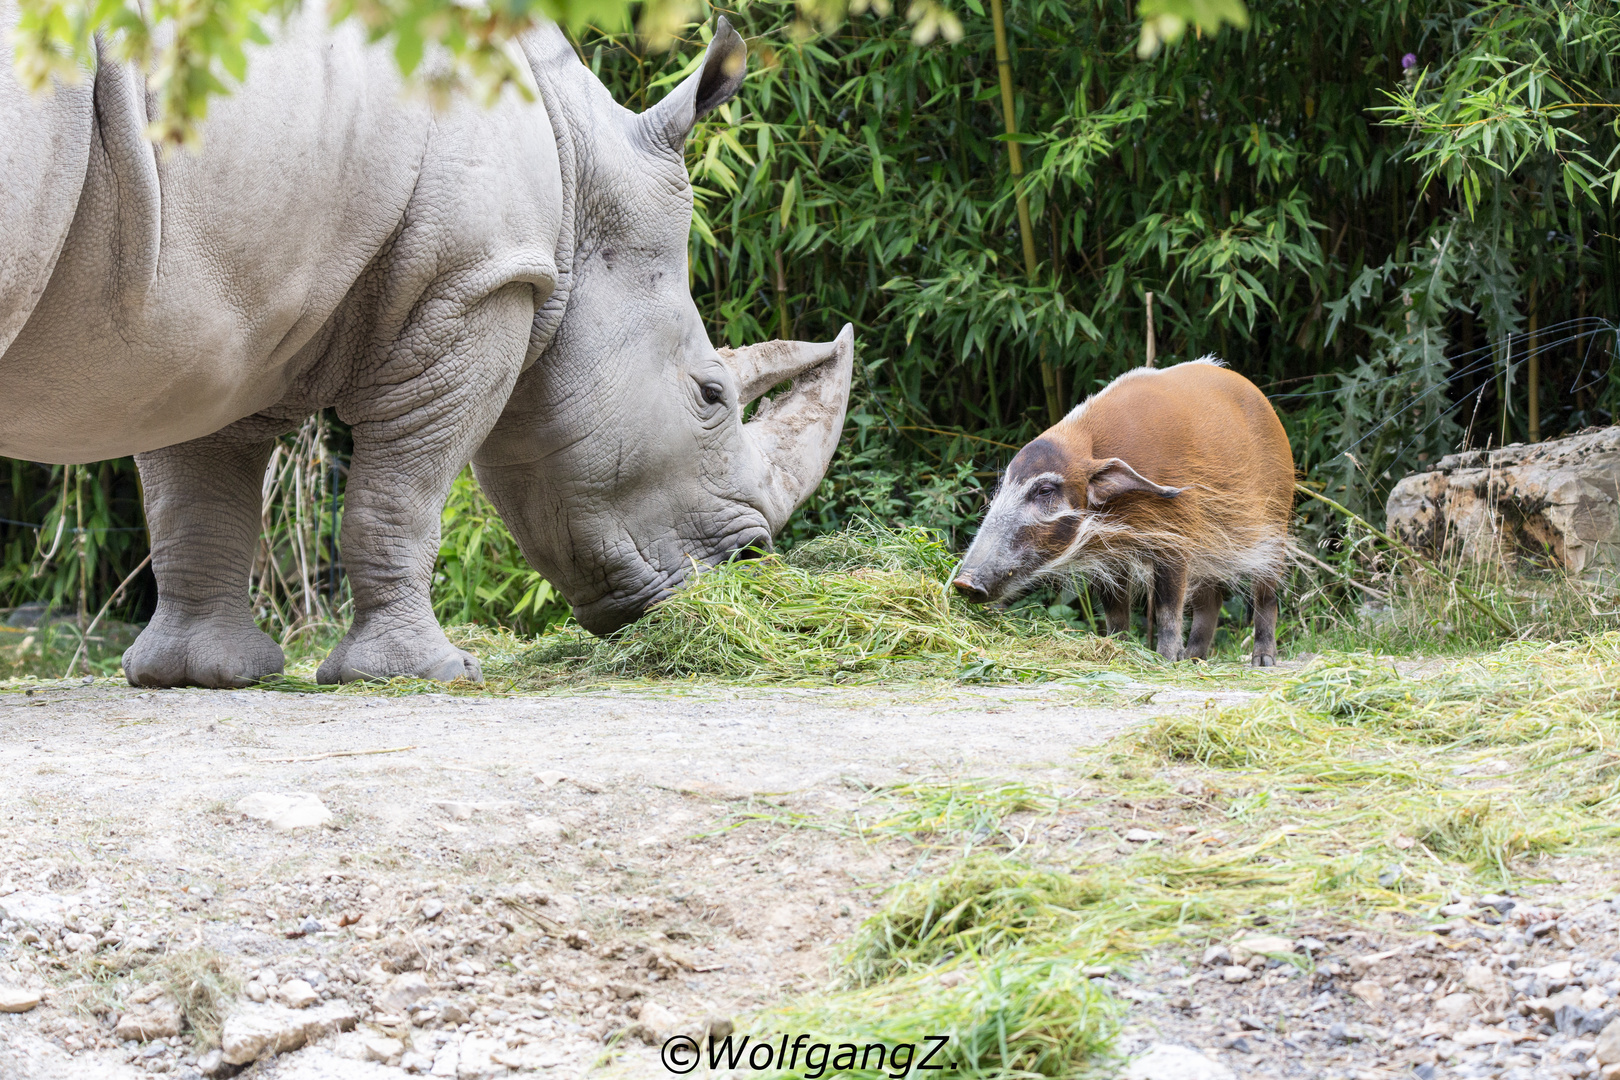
point(797, 431)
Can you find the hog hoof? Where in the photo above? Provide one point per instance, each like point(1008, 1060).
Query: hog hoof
point(1265, 660)
point(217, 653)
point(377, 659)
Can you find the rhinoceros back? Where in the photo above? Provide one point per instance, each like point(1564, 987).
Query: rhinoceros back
point(44, 147)
point(196, 288)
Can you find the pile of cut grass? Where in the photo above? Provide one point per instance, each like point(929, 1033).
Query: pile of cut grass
point(1354, 789)
point(865, 604)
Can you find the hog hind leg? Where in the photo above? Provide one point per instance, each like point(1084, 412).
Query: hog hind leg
point(1169, 604)
point(1206, 605)
point(1265, 623)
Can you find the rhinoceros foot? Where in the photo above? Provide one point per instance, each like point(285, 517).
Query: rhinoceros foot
point(214, 652)
point(370, 653)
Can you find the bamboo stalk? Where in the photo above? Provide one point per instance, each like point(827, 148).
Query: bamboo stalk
point(1152, 346)
point(84, 638)
point(1015, 165)
point(1533, 373)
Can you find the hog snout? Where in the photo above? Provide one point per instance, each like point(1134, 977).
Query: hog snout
point(971, 590)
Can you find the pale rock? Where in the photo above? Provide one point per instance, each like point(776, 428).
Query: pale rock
point(1456, 1006)
point(16, 1000)
point(255, 991)
point(298, 994)
point(1142, 836)
point(1562, 970)
point(158, 1020)
point(655, 1023)
point(254, 1031)
point(283, 812)
point(1607, 1050)
point(146, 994)
point(457, 811)
point(1462, 907)
point(1166, 1062)
point(1260, 945)
point(545, 828)
point(550, 778)
point(474, 1060)
point(1481, 979)
point(1368, 991)
point(78, 943)
point(1595, 997)
point(44, 911)
point(213, 1064)
point(415, 1063)
point(1217, 956)
point(445, 1061)
point(402, 992)
point(1547, 1007)
point(1554, 498)
point(1236, 973)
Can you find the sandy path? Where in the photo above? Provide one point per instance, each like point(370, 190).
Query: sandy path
point(117, 808)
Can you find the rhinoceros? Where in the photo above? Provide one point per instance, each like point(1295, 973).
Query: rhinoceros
point(503, 284)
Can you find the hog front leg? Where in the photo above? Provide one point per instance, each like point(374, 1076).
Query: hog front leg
point(1206, 605)
point(1116, 608)
point(1169, 602)
point(440, 389)
point(1265, 624)
point(202, 510)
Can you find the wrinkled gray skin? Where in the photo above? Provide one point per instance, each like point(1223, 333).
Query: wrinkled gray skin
point(506, 285)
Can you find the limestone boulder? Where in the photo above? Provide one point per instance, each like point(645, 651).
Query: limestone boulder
point(1553, 503)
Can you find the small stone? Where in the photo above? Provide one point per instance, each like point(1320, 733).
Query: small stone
point(1456, 1006)
point(415, 1063)
point(310, 925)
point(550, 778)
point(146, 994)
point(655, 1023)
point(1559, 971)
point(545, 828)
point(159, 1020)
point(1166, 1062)
point(457, 811)
point(1236, 973)
point(14, 1000)
point(1481, 979)
point(285, 813)
point(1547, 1007)
point(298, 994)
point(1594, 998)
point(1217, 956)
point(255, 1031)
point(453, 1012)
point(78, 943)
point(1607, 1050)
point(445, 1061)
point(717, 1027)
point(255, 991)
point(432, 908)
point(213, 1064)
point(1462, 907)
point(402, 991)
point(388, 1051)
point(1142, 836)
point(1245, 948)
point(1368, 991)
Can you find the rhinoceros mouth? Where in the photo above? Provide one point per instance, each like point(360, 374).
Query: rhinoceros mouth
point(616, 610)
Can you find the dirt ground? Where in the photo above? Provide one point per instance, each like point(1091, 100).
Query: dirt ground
point(554, 885)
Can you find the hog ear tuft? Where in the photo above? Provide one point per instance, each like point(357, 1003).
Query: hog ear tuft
point(1114, 478)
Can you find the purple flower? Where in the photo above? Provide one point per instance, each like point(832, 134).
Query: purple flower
point(1409, 61)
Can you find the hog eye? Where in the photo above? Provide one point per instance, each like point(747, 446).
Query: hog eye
point(713, 393)
point(1043, 490)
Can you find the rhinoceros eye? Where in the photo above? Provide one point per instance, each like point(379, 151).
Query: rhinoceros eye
point(713, 393)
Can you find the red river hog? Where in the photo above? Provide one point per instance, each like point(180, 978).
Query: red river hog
point(1178, 480)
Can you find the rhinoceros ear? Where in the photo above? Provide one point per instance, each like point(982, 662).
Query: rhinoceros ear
point(715, 82)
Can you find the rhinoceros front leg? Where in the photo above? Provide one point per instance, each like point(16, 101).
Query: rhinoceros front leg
point(411, 438)
point(202, 509)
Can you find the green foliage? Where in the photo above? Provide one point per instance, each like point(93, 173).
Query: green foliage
point(481, 575)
